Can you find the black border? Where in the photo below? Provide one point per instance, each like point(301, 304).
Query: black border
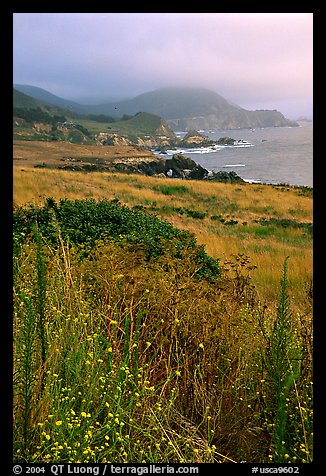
point(6, 236)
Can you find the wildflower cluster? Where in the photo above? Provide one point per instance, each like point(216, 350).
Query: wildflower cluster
point(122, 359)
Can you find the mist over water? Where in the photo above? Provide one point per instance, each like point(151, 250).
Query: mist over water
point(278, 154)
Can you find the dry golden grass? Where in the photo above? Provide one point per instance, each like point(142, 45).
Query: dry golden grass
point(197, 349)
point(244, 203)
point(48, 151)
point(249, 200)
point(146, 364)
point(267, 254)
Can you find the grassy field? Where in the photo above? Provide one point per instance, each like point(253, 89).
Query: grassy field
point(55, 154)
point(138, 342)
point(143, 123)
point(264, 222)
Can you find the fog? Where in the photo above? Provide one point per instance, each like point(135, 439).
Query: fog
point(255, 60)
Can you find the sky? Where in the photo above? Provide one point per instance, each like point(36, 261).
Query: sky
point(255, 60)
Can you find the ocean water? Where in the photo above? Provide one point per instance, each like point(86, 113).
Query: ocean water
point(267, 155)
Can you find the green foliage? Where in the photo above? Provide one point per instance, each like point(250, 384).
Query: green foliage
point(142, 123)
point(146, 364)
point(305, 191)
point(225, 141)
point(82, 129)
point(86, 221)
point(126, 117)
point(109, 141)
point(122, 358)
point(171, 189)
point(285, 223)
point(22, 100)
point(195, 214)
point(25, 373)
point(57, 135)
point(41, 298)
point(75, 136)
point(37, 115)
point(282, 363)
point(100, 118)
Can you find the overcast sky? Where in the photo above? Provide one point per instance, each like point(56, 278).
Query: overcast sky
point(256, 60)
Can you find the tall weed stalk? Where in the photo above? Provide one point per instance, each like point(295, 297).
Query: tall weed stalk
point(40, 299)
point(24, 375)
point(30, 350)
point(282, 365)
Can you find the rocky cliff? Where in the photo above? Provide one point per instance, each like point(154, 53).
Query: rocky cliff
point(195, 139)
point(179, 166)
point(233, 119)
point(143, 129)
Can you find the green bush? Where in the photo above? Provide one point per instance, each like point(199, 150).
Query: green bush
point(195, 214)
point(87, 221)
point(286, 223)
point(171, 189)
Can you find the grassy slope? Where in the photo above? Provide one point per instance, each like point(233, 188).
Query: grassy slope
point(142, 124)
point(182, 203)
point(22, 100)
point(121, 359)
point(31, 153)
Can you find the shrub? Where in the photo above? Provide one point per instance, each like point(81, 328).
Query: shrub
point(121, 358)
point(286, 223)
point(172, 189)
point(86, 221)
point(195, 214)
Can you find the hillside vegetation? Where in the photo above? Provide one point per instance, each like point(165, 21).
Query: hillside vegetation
point(184, 108)
point(22, 100)
point(33, 120)
point(157, 319)
point(263, 221)
point(132, 344)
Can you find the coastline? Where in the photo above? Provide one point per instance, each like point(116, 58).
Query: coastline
point(278, 154)
point(264, 156)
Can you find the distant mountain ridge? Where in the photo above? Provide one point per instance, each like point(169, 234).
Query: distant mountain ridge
point(170, 103)
point(47, 98)
point(183, 109)
point(23, 100)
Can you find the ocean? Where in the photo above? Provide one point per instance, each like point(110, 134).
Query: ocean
point(263, 155)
